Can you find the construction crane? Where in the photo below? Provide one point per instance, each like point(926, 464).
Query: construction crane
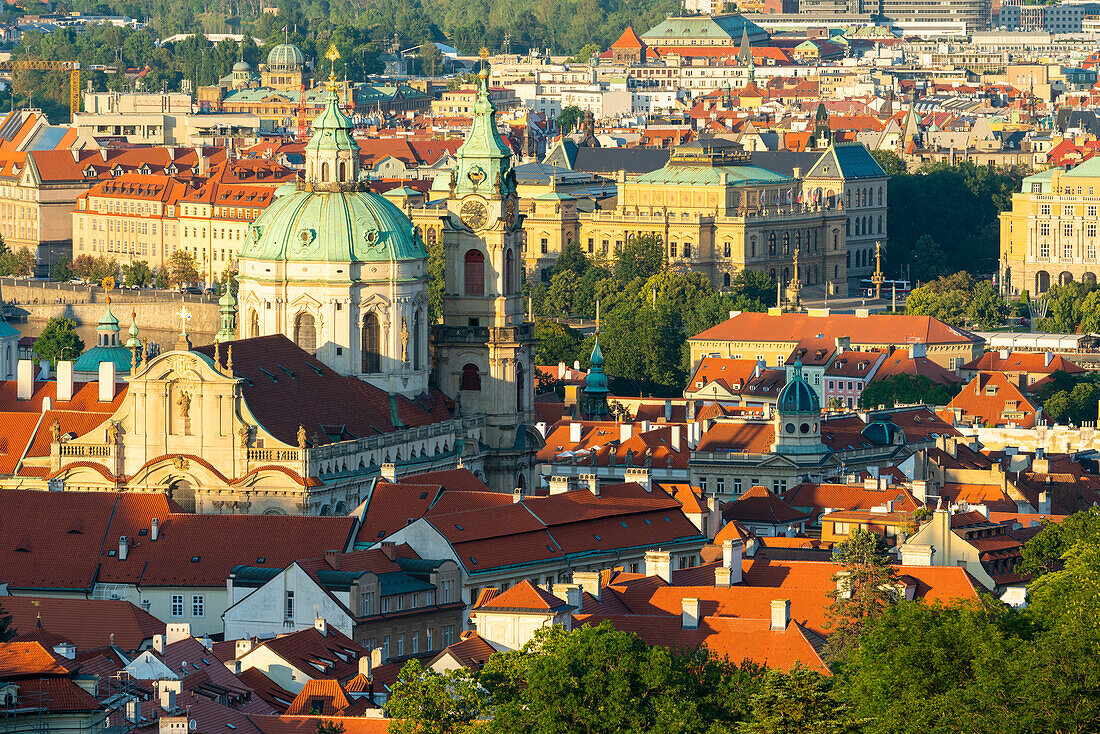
point(73, 67)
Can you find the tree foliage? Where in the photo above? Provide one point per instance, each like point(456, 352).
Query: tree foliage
point(569, 118)
point(799, 703)
point(864, 587)
point(1043, 553)
point(905, 389)
point(59, 340)
point(557, 343)
point(137, 273)
point(959, 300)
point(182, 268)
point(427, 702)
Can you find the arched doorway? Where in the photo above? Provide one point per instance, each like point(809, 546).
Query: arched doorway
point(1042, 281)
point(305, 332)
point(726, 280)
point(1089, 278)
point(183, 494)
point(372, 344)
point(1065, 277)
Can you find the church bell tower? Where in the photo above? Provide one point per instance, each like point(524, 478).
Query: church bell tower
point(484, 347)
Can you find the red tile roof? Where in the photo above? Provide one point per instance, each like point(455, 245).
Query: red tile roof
point(336, 653)
point(760, 505)
point(87, 623)
point(472, 651)
point(817, 497)
point(523, 597)
point(1030, 362)
point(874, 329)
point(308, 724)
point(738, 437)
point(28, 659)
point(992, 399)
point(899, 362)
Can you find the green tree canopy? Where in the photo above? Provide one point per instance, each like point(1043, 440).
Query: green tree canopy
point(865, 586)
point(427, 702)
point(905, 389)
point(59, 340)
point(1043, 553)
point(569, 118)
point(182, 269)
point(959, 300)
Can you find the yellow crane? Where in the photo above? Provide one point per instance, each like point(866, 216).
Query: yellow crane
point(73, 67)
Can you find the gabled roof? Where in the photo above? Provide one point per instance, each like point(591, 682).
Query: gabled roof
point(993, 399)
point(471, 652)
point(28, 659)
point(523, 597)
point(871, 329)
point(329, 655)
point(846, 160)
point(1031, 362)
point(760, 505)
point(87, 623)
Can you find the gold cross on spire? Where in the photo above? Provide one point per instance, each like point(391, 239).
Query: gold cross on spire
point(185, 316)
point(483, 53)
point(332, 54)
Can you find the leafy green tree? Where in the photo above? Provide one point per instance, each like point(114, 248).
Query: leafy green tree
point(584, 56)
point(890, 162)
point(1043, 553)
point(571, 258)
point(755, 285)
point(1074, 406)
point(557, 343)
point(182, 269)
point(437, 264)
point(865, 586)
point(59, 340)
point(987, 308)
point(82, 266)
point(598, 679)
point(569, 118)
point(137, 273)
point(102, 268)
point(643, 256)
point(800, 702)
point(946, 298)
point(160, 278)
point(62, 271)
point(431, 59)
point(905, 389)
point(329, 727)
point(427, 702)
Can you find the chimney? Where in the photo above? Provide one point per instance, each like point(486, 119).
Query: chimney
point(320, 625)
point(158, 644)
point(123, 548)
point(24, 379)
point(732, 550)
point(168, 690)
point(106, 381)
point(376, 657)
point(1002, 354)
point(389, 548)
point(65, 650)
point(919, 488)
point(659, 563)
point(571, 593)
point(365, 667)
point(242, 648)
point(592, 482)
point(517, 495)
point(588, 581)
point(915, 555)
point(781, 614)
point(1044, 503)
point(43, 370)
point(64, 381)
point(558, 485)
point(332, 558)
point(721, 578)
point(690, 618)
point(561, 370)
point(177, 632)
point(575, 432)
point(639, 475)
point(626, 430)
point(576, 365)
point(389, 473)
point(47, 404)
point(675, 440)
point(235, 667)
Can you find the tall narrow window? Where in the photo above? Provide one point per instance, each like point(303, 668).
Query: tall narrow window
point(305, 333)
point(509, 276)
point(372, 343)
point(471, 378)
point(418, 328)
point(475, 273)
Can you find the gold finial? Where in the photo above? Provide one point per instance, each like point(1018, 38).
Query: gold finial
point(332, 54)
point(484, 53)
point(483, 74)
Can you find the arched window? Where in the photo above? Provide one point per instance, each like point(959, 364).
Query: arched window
point(726, 280)
point(786, 243)
point(752, 247)
point(847, 199)
point(324, 172)
point(253, 323)
point(475, 273)
point(509, 276)
point(471, 378)
point(343, 171)
point(848, 259)
point(372, 344)
point(305, 333)
point(880, 196)
point(726, 250)
point(836, 272)
point(418, 339)
point(798, 240)
point(519, 388)
point(771, 243)
point(880, 224)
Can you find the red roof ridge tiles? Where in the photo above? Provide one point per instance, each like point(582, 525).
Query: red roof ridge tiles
point(523, 596)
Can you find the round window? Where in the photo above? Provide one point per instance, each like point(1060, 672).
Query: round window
point(805, 428)
point(790, 428)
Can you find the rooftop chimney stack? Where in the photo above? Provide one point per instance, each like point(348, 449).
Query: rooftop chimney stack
point(332, 558)
point(659, 563)
point(588, 581)
point(24, 388)
point(571, 593)
point(592, 482)
point(320, 625)
point(158, 644)
point(690, 618)
point(64, 381)
point(575, 432)
point(626, 431)
point(242, 648)
point(640, 476)
point(732, 551)
point(123, 548)
point(365, 666)
point(560, 485)
point(106, 381)
point(389, 473)
point(154, 530)
point(781, 614)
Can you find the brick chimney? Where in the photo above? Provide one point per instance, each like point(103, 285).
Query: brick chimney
point(332, 558)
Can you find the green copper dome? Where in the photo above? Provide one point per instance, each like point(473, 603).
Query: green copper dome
point(797, 396)
point(285, 57)
point(333, 226)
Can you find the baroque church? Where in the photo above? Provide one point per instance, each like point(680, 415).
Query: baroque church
point(339, 376)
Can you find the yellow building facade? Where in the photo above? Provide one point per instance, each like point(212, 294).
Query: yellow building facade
point(714, 212)
point(1049, 236)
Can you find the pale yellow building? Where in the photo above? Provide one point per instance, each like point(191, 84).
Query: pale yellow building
point(714, 212)
point(1049, 235)
point(129, 218)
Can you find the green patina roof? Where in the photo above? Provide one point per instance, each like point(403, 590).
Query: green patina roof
point(1089, 168)
point(323, 226)
point(711, 175)
point(1042, 178)
point(797, 396)
point(332, 128)
point(89, 361)
point(703, 26)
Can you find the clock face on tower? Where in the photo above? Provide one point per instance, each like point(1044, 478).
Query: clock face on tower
point(474, 213)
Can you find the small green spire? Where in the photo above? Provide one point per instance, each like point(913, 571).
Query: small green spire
point(595, 385)
point(228, 308)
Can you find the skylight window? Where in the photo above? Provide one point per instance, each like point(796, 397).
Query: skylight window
point(596, 537)
point(457, 526)
point(473, 560)
point(195, 559)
